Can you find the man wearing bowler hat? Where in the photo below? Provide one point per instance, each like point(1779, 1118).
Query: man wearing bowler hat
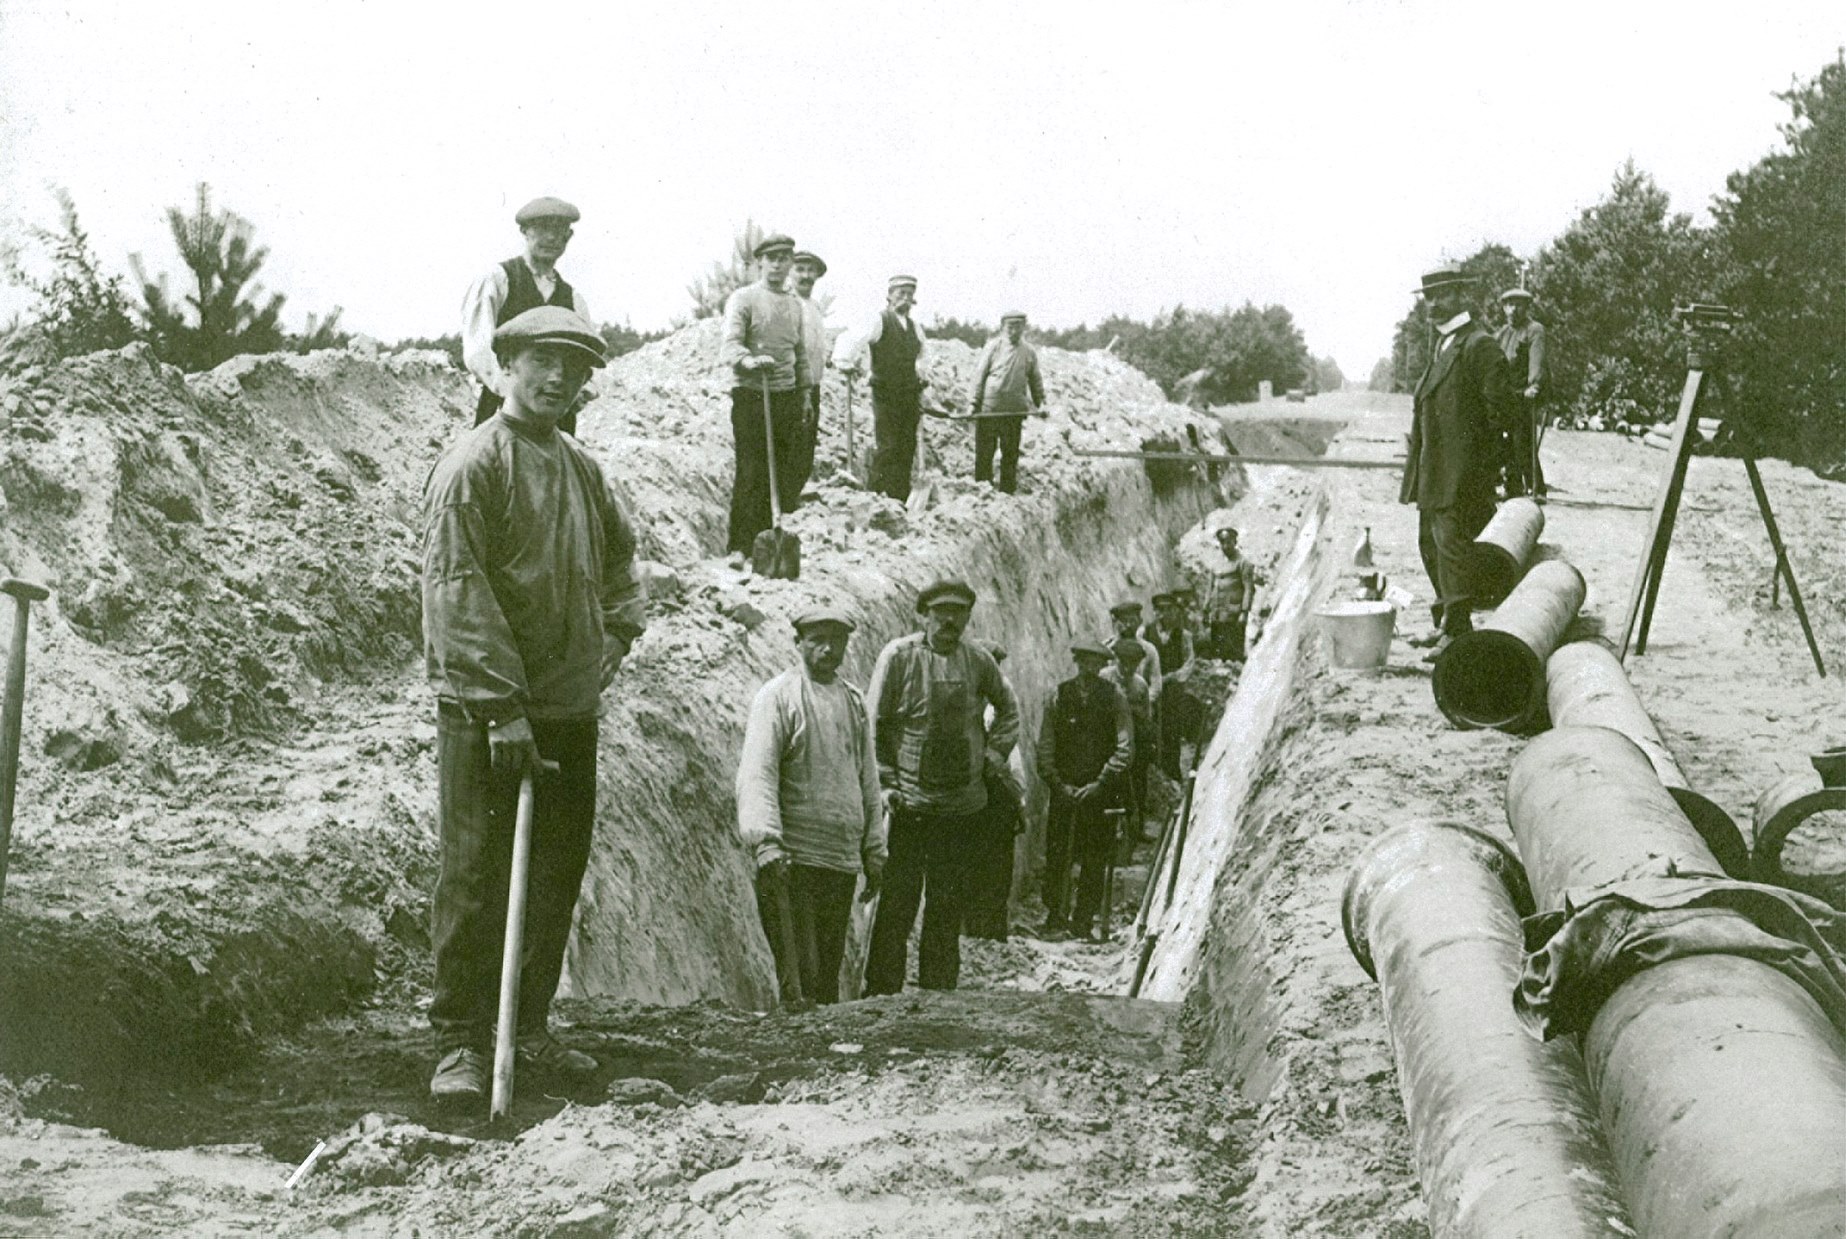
point(521, 635)
point(1451, 466)
point(515, 286)
point(763, 346)
point(1006, 383)
point(928, 699)
point(809, 267)
point(1085, 746)
point(808, 802)
point(1522, 342)
point(894, 344)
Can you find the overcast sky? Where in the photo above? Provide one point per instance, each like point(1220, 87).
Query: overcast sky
point(1072, 159)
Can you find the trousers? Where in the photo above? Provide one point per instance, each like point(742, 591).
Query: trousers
point(895, 414)
point(928, 854)
point(1443, 538)
point(820, 907)
point(803, 468)
point(750, 492)
point(475, 814)
point(1085, 834)
point(1002, 433)
point(990, 876)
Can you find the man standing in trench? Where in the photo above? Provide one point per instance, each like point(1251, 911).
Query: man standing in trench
point(510, 289)
point(1084, 749)
point(1006, 382)
point(1450, 468)
point(928, 699)
point(894, 344)
point(763, 347)
point(808, 804)
point(521, 635)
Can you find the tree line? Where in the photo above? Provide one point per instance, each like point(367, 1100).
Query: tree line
point(1607, 286)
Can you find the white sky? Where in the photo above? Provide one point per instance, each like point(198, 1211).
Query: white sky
point(1074, 159)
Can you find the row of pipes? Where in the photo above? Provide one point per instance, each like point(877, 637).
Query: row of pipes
point(1705, 1097)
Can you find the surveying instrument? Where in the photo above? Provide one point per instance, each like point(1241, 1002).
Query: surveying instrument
point(1708, 330)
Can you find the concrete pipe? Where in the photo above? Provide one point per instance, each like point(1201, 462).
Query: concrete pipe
point(1495, 675)
point(1585, 686)
point(1506, 1136)
point(1721, 1083)
point(1804, 807)
point(1498, 557)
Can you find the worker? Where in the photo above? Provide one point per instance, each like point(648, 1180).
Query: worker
point(1451, 466)
point(1128, 671)
point(990, 890)
point(1230, 592)
point(763, 340)
point(515, 286)
point(928, 700)
point(808, 270)
point(521, 635)
point(1522, 343)
point(1007, 387)
point(808, 805)
point(1125, 620)
point(1085, 746)
point(894, 344)
point(1172, 641)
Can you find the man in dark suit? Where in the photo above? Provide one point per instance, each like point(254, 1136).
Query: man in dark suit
point(1452, 464)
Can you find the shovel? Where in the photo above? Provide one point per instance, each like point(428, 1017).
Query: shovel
point(852, 456)
point(506, 1033)
point(776, 553)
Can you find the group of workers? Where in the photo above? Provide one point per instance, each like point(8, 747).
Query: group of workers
point(532, 598)
point(1474, 437)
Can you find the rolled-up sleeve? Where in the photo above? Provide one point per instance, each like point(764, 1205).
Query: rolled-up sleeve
point(480, 308)
point(759, 771)
point(851, 349)
point(468, 641)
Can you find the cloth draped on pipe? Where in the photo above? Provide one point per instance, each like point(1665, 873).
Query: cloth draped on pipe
point(1577, 956)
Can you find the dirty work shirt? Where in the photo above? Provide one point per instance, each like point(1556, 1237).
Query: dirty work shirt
point(1006, 380)
point(528, 574)
point(760, 320)
point(928, 721)
point(808, 782)
point(1229, 589)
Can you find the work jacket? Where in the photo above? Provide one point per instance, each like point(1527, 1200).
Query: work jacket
point(1086, 736)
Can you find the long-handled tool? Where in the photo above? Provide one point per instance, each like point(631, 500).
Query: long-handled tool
point(787, 945)
point(1172, 840)
point(852, 452)
point(24, 593)
point(1117, 818)
point(506, 1032)
point(1220, 458)
point(776, 553)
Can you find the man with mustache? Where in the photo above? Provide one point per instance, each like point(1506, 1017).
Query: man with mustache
point(530, 602)
point(893, 343)
point(928, 699)
point(515, 286)
point(808, 804)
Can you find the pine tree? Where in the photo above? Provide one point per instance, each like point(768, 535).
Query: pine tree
point(710, 292)
point(224, 314)
point(77, 309)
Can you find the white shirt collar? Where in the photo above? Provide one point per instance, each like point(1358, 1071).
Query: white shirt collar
point(1455, 324)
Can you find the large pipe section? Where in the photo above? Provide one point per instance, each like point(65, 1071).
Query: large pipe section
point(1721, 1083)
point(1497, 558)
point(1506, 1136)
point(1802, 799)
point(1585, 686)
point(1495, 675)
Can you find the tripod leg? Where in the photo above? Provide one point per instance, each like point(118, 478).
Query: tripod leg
point(1652, 568)
point(1781, 559)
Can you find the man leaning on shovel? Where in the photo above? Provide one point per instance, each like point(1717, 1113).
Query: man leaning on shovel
point(765, 351)
point(521, 635)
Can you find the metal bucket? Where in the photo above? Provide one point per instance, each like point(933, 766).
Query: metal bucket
point(1358, 632)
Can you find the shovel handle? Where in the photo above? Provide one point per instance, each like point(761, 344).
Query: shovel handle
point(769, 447)
point(507, 1032)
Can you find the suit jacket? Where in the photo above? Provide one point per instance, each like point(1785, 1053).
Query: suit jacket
point(1459, 403)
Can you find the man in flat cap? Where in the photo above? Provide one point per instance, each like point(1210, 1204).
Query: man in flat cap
point(521, 635)
point(1452, 464)
point(1085, 747)
point(808, 269)
point(808, 804)
point(1522, 342)
point(1229, 584)
point(1007, 386)
point(763, 344)
point(515, 286)
point(894, 343)
point(928, 699)
point(1125, 620)
point(1172, 641)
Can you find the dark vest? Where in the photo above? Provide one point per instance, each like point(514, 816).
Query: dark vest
point(1171, 651)
point(894, 356)
point(522, 295)
point(1084, 730)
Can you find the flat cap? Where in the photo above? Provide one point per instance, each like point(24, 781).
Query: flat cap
point(773, 242)
point(1096, 648)
point(1013, 316)
point(546, 208)
point(944, 591)
point(1127, 606)
point(900, 281)
point(820, 264)
point(1443, 277)
point(1516, 294)
point(814, 616)
point(1129, 650)
point(550, 324)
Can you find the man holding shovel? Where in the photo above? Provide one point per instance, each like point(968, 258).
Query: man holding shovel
point(1084, 750)
point(1007, 387)
point(521, 635)
point(764, 350)
point(808, 805)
